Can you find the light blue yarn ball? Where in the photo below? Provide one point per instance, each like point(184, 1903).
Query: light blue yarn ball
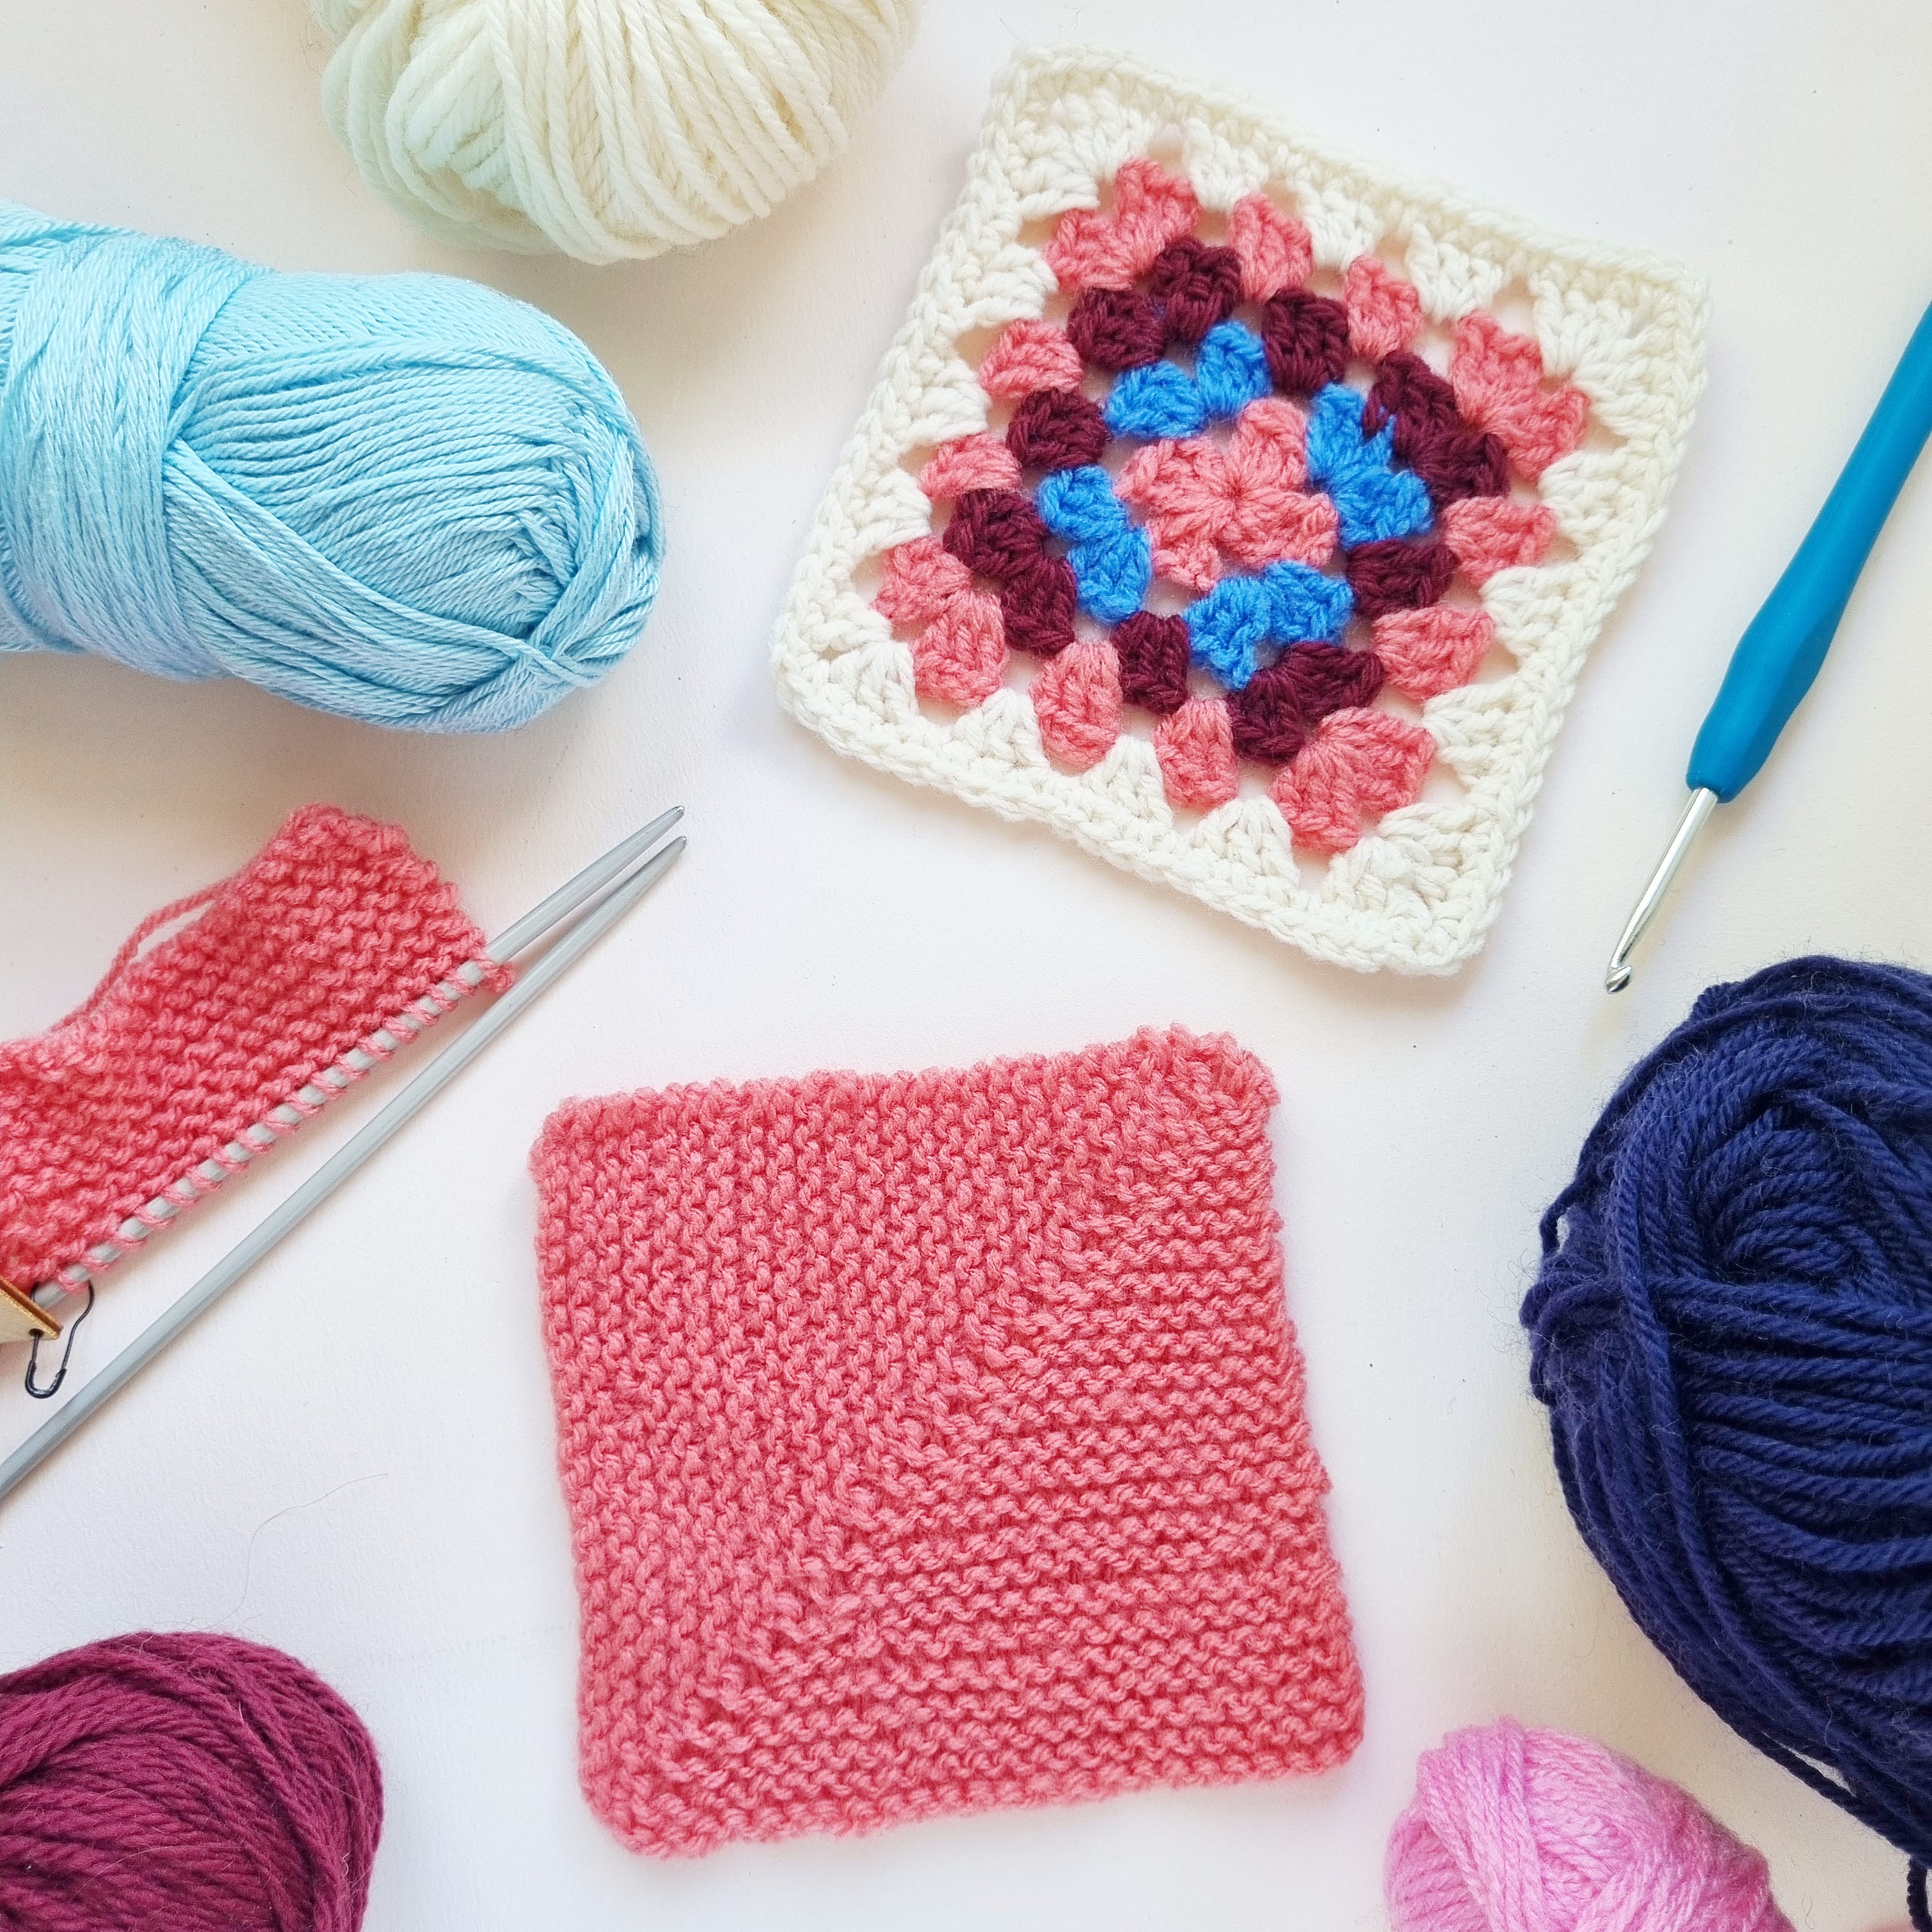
point(406, 499)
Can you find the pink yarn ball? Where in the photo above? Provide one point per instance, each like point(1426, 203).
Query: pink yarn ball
point(1517, 1831)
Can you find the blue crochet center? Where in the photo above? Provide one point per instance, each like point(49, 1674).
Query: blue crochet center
point(1234, 628)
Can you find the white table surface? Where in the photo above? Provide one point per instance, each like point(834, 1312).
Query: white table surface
point(352, 1458)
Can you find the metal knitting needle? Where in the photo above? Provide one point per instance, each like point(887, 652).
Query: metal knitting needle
point(377, 1131)
point(574, 892)
point(516, 939)
point(1782, 649)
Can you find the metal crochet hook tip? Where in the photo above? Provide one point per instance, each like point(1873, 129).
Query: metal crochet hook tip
point(1784, 645)
point(1617, 974)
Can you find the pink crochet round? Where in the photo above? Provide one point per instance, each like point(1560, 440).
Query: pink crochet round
point(934, 1442)
point(1517, 1831)
point(326, 934)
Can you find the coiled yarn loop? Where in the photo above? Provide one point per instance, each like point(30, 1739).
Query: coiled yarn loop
point(187, 1783)
point(403, 498)
point(604, 128)
point(1732, 1331)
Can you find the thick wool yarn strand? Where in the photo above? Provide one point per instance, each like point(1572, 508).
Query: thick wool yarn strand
point(185, 1783)
point(404, 498)
point(604, 128)
point(1517, 1831)
point(1732, 1331)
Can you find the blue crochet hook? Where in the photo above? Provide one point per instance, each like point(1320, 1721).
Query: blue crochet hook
point(1779, 655)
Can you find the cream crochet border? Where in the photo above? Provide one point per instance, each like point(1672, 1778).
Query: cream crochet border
point(1419, 893)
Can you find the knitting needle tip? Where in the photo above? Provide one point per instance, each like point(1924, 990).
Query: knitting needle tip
point(1617, 974)
point(572, 894)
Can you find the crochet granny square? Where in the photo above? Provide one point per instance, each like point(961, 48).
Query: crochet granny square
point(226, 1020)
point(1241, 511)
point(934, 1442)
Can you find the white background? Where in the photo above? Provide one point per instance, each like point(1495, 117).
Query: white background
point(352, 1458)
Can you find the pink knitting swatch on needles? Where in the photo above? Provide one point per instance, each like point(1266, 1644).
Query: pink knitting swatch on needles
point(192, 1055)
point(1240, 510)
point(934, 1442)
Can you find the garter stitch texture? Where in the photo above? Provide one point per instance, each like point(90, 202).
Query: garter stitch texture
point(934, 1441)
point(1220, 428)
point(191, 1056)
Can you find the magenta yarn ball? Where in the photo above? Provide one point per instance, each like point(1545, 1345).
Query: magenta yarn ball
point(183, 1784)
point(1518, 1830)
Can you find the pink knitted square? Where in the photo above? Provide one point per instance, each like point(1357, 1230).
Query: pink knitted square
point(192, 1055)
point(934, 1441)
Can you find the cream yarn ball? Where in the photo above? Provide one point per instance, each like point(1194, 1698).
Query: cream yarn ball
point(605, 128)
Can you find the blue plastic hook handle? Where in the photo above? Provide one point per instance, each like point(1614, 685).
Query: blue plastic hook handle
point(1779, 655)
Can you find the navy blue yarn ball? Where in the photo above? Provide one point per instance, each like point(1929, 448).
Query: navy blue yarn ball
point(1732, 1331)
